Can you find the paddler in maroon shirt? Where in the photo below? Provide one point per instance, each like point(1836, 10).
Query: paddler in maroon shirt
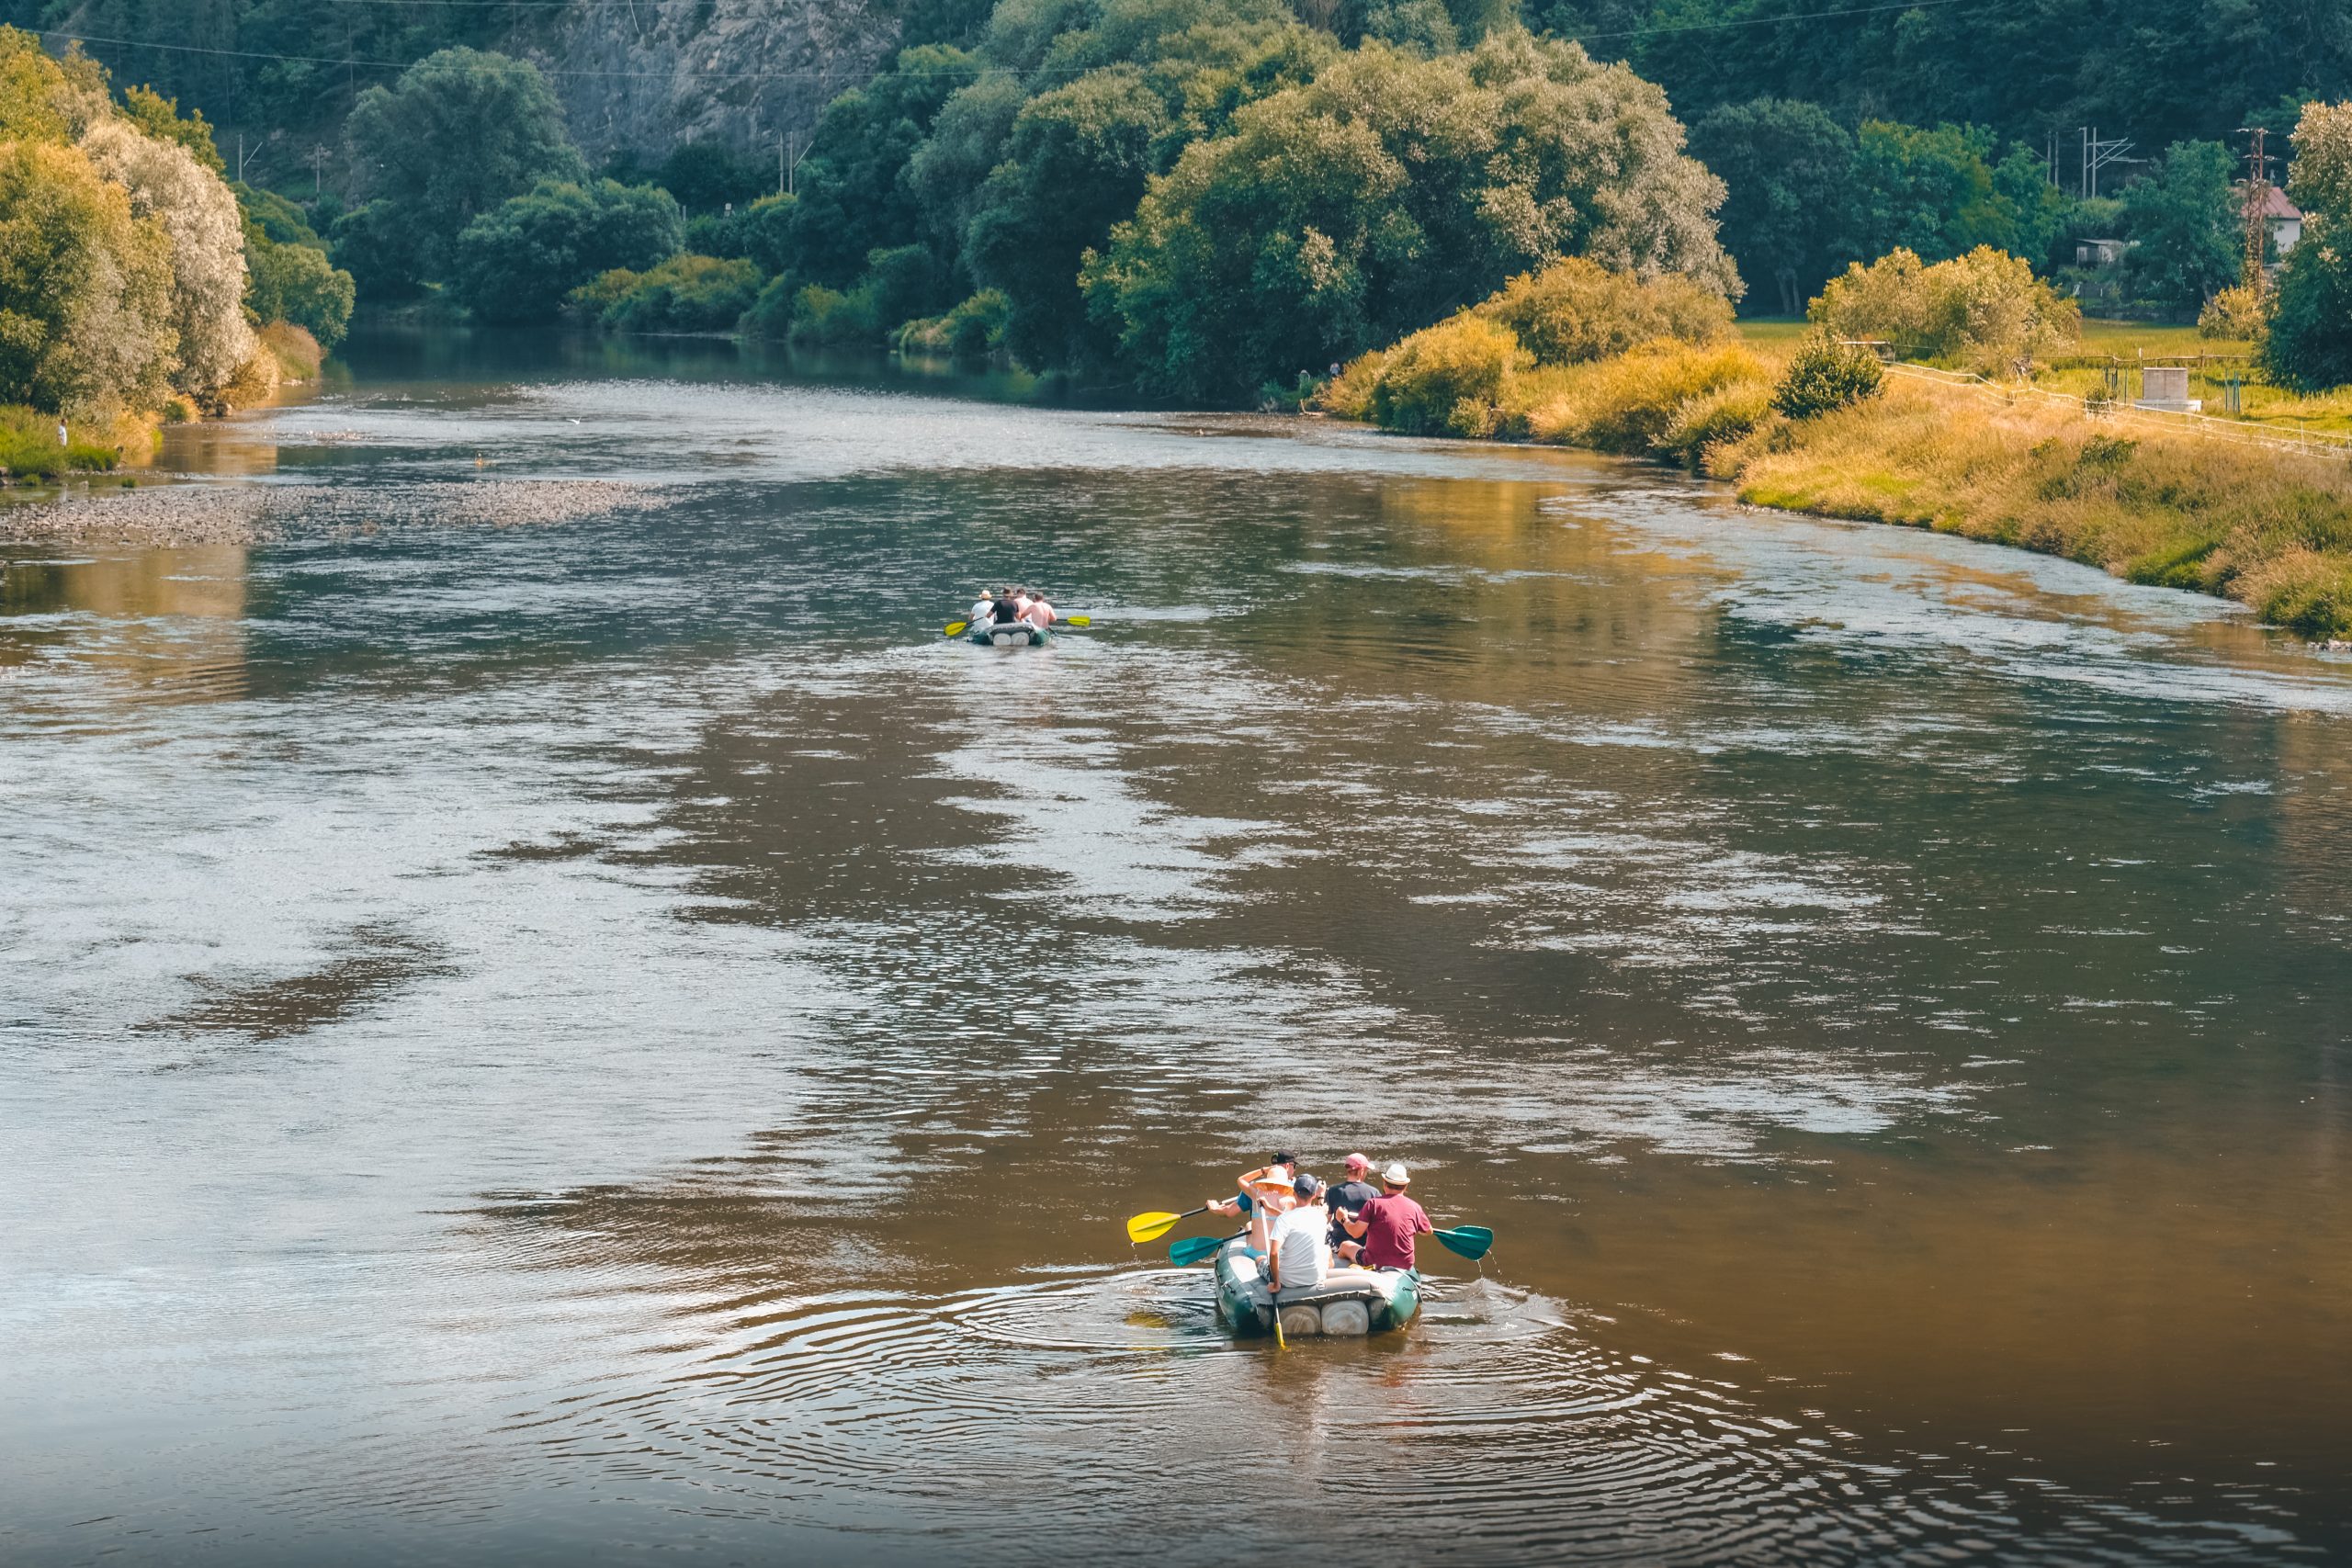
point(1390, 1221)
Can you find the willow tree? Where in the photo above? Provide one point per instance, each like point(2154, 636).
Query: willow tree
point(85, 287)
point(1389, 192)
point(196, 210)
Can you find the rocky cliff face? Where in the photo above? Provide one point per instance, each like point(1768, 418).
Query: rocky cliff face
point(641, 77)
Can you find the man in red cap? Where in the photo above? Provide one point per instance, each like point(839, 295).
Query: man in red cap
point(1346, 1201)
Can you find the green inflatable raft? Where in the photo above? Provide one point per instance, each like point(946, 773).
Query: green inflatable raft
point(1350, 1302)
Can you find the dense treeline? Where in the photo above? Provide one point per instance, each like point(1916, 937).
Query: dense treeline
point(2160, 70)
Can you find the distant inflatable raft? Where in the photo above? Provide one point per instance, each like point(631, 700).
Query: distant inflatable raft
point(1012, 634)
point(1351, 1301)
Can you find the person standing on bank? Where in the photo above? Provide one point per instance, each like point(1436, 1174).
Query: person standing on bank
point(1389, 1223)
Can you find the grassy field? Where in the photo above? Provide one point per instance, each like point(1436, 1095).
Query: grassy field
point(2082, 371)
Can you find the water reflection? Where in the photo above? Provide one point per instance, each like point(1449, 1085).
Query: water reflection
point(614, 1021)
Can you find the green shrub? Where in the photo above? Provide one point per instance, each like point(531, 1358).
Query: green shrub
point(2238, 313)
point(973, 330)
point(1575, 311)
point(684, 294)
point(1447, 380)
point(770, 316)
point(518, 261)
point(297, 352)
point(294, 282)
point(1729, 413)
point(1984, 310)
point(828, 318)
point(1824, 374)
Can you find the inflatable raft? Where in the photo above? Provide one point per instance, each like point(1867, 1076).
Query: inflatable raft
point(1350, 1302)
point(1012, 634)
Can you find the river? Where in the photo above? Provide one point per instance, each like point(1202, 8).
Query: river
point(585, 1029)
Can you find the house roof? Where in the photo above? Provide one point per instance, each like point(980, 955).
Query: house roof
point(2276, 205)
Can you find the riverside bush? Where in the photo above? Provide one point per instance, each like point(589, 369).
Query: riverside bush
point(2238, 314)
point(1824, 374)
point(298, 353)
point(1575, 311)
point(973, 330)
point(684, 294)
point(1985, 309)
point(1447, 380)
point(1630, 403)
point(1730, 413)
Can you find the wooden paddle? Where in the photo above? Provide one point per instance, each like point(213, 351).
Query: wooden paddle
point(1152, 1226)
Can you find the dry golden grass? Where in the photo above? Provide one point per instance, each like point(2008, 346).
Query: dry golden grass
point(2271, 528)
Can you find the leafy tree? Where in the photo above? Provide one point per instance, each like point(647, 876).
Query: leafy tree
point(1787, 170)
point(1389, 192)
point(1940, 193)
point(296, 284)
point(159, 116)
point(852, 199)
point(517, 262)
point(2309, 347)
point(199, 215)
point(2182, 221)
point(279, 220)
point(86, 288)
point(1081, 156)
point(967, 139)
point(458, 133)
point(705, 175)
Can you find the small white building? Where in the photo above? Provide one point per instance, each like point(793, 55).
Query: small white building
point(2100, 253)
point(2285, 218)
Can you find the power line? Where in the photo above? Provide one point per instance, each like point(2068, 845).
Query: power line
point(974, 71)
point(1768, 21)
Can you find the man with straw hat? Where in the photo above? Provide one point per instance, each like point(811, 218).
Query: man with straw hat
point(1389, 1223)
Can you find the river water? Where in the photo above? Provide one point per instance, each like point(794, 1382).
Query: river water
point(564, 1021)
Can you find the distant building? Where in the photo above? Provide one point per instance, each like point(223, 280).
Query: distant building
point(2285, 218)
point(2099, 252)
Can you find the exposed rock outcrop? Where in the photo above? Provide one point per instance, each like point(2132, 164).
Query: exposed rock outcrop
point(643, 77)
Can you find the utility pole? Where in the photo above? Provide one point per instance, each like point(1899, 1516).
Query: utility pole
point(2257, 209)
point(318, 170)
point(2099, 154)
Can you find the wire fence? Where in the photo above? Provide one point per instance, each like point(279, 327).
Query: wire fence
point(2244, 433)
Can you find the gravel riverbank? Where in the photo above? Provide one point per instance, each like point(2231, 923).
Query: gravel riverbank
point(239, 513)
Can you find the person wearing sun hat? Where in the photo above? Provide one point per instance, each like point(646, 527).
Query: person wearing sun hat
point(1390, 1221)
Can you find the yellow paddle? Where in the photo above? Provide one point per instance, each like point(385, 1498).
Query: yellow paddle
point(957, 629)
point(1152, 1226)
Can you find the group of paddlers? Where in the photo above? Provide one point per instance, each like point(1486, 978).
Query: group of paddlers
point(1311, 1233)
point(1008, 606)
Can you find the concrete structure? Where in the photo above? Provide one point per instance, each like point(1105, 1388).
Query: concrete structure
point(2166, 388)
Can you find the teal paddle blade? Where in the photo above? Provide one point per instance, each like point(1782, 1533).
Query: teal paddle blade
point(1194, 1249)
point(1467, 1241)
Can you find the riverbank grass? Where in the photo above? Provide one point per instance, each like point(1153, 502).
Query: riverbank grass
point(2270, 528)
point(29, 448)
